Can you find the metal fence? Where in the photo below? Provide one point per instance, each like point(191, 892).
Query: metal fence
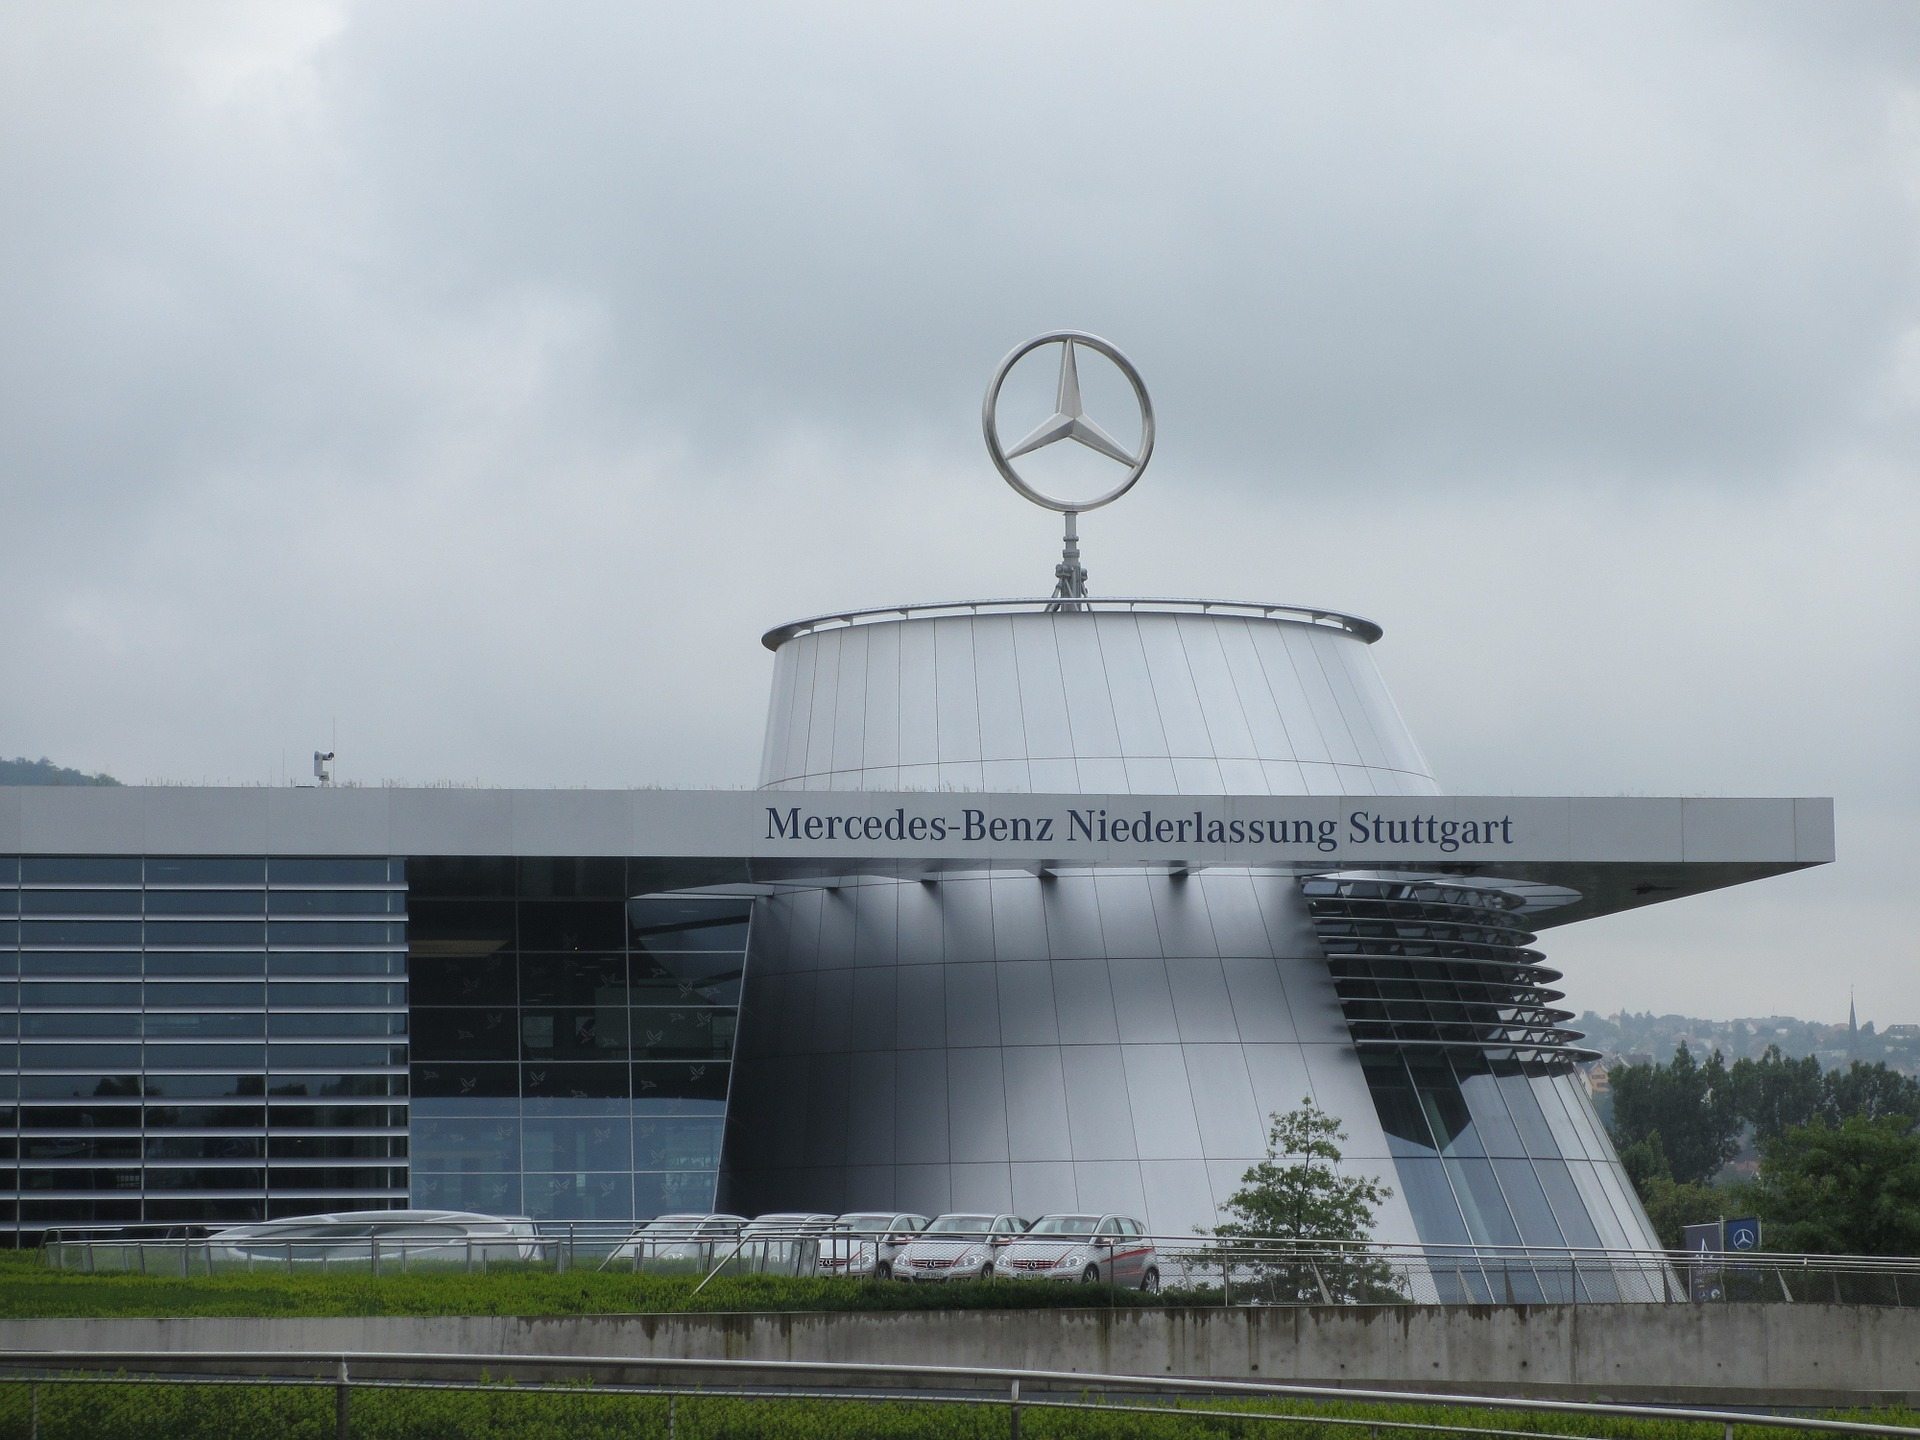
point(54, 1395)
point(1192, 1269)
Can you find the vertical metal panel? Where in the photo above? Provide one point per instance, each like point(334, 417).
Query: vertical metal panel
point(918, 932)
point(869, 1187)
point(956, 694)
point(1019, 923)
point(1213, 688)
point(1401, 750)
point(1126, 914)
point(1083, 1002)
point(826, 690)
point(1175, 1187)
point(1142, 1001)
point(1150, 775)
point(1054, 777)
point(873, 1009)
point(870, 1108)
point(1043, 1188)
point(1003, 733)
point(850, 702)
point(794, 765)
point(876, 922)
point(1230, 1122)
point(832, 1032)
point(922, 1007)
point(1164, 1127)
point(1073, 917)
point(773, 745)
point(1284, 777)
point(1025, 990)
point(1289, 694)
point(1198, 777)
point(977, 1105)
point(1183, 725)
point(973, 1005)
point(1097, 1102)
point(838, 916)
point(1200, 1004)
point(1095, 732)
point(881, 729)
point(1243, 777)
point(1180, 915)
point(919, 716)
point(1259, 706)
point(966, 908)
point(1320, 697)
point(1279, 1077)
point(920, 1109)
point(1260, 1009)
point(1135, 712)
point(1330, 647)
point(1037, 1125)
point(1010, 776)
point(985, 1188)
point(965, 775)
point(1110, 1187)
point(1232, 913)
point(1340, 1088)
point(923, 1189)
point(1043, 698)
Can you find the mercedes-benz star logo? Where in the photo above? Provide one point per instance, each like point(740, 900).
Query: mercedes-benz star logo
point(1068, 421)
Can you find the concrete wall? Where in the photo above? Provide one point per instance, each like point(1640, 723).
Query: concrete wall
point(1782, 1354)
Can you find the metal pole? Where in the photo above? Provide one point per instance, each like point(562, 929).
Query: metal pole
point(342, 1405)
point(673, 1417)
point(33, 1409)
point(1013, 1410)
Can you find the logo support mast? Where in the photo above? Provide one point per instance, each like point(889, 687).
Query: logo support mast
point(1068, 422)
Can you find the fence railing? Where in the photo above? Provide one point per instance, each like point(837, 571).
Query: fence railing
point(1202, 1270)
point(33, 1382)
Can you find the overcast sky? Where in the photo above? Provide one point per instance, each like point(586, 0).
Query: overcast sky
point(476, 382)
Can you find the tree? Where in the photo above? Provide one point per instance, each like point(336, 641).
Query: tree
point(1774, 1093)
point(1298, 1196)
point(1689, 1106)
point(1869, 1091)
point(1854, 1190)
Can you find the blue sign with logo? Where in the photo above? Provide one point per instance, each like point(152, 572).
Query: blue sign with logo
point(1743, 1234)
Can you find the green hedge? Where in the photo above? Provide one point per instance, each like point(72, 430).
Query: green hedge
point(29, 1290)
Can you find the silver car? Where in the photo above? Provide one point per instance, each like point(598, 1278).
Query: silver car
point(363, 1236)
point(864, 1243)
point(684, 1239)
point(1095, 1248)
point(957, 1247)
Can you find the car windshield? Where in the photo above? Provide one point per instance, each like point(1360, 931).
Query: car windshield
point(678, 1223)
point(960, 1225)
point(1065, 1225)
point(866, 1222)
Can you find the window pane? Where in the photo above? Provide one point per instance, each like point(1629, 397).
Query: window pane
point(676, 1143)
point(336, 1026)
point(206, 902)
point(205, 1147)
point(464, 1035)
point(205, 1087)
point(230, 964)
point(571, 1144)
point(98, 992)
point(205, 932)
point(202, 1025)
point(80, 870)
point(191, 870)
point(311, 1057)
point(80, 902)
point(80, 1057)
point(309, 933)
point(478, 1144)
point(466, 1080)
point(337, 902)
point(331, 1086)
point(205, 1057)
point(573, 980)
point(572, 925)
point(582, 1034)
point(206, 1117)
point(79, 932)
point(578, 1082)
point(487, 980)
point(282, 963)
point(107, 1023)
point(319, 992)
point(203, 994)
point(335, 870)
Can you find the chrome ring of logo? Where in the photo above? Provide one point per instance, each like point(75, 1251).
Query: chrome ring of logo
point(1069, 420)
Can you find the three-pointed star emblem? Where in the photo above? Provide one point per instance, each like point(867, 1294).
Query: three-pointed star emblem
point(1069, 420)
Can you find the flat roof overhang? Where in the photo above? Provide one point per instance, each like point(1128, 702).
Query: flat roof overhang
point(1579, 856)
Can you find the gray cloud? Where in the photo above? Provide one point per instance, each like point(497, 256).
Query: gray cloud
point(482, 383)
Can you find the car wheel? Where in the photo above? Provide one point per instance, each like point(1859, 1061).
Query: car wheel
point(883, 1271)
point(1150, 1282)
point(986, 1271)
point(1090, 1276)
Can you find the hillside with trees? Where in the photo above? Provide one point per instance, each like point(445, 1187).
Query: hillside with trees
point(22, 771)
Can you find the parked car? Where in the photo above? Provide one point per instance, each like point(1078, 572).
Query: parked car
point(1093, 1248)
point(957, 1247)
point(356, 1236)
point(788, 1224)
point(684, 1238)
point(864, 1243)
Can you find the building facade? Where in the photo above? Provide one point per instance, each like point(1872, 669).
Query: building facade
point(1038, 906)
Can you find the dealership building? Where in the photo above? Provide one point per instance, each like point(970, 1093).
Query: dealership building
point(1039, 905)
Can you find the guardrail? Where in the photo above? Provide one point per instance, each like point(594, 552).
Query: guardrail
point(25, 1375)
point(1201, 1270)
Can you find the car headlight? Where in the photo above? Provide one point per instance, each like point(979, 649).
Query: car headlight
point(1073, 1257)
point(972, 1255)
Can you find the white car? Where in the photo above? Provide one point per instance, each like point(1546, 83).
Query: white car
point(957, 1247)
point(683, 1239)
point(864, 1243)
point(1095, 1248)
point(789, 1225)
point(358, 1236)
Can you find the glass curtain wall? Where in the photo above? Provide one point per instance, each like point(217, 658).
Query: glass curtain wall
point(571, 1044)
point(198, 1040)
